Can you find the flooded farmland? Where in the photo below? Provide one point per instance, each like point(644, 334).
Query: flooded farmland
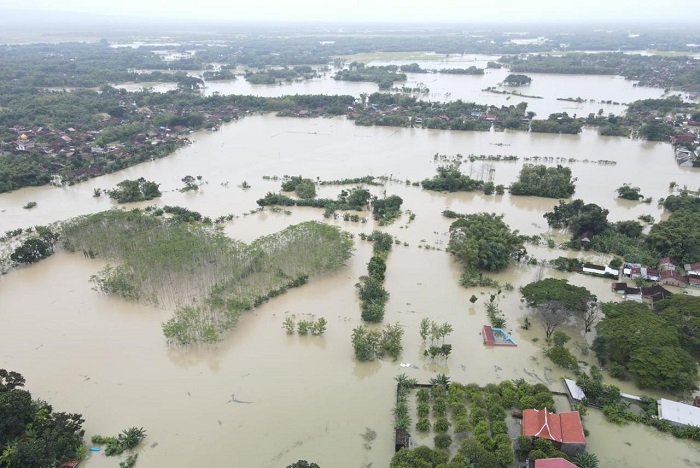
point(551, 90)
point(262, 398)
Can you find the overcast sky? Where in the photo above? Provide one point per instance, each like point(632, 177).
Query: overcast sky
point(464, 11)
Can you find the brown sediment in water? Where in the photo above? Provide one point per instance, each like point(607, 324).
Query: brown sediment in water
point(108, 359)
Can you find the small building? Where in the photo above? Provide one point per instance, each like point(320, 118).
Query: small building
point(692, 268)
point(402, 440)
point(652, 274)
point(553, 463)
point(637, 270)
point(694, 279)
point(655, 293)
point(565, 430)
point(600, 270)
point(630, 293)
point(677, 413)
point(585, 237)
point(496, 336)
point(574, 391)
point(673, 278)
point(665, 264)
point(70, 464)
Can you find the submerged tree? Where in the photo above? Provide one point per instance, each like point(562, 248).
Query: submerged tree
point(484, 242)
point(209, 278)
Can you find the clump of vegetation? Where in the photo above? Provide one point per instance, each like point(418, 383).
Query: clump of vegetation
point(208, 277)
point(617, 411)
point(555, 301)
point(356, 199)
point(384, 76)
point(183, 215)
point(304, 188)
point(578, 217)
point(566, 264)
point(437, 333)
point(494, 312)
point(37, 246)
point(683, 201)
point(543, 181)
point(303, 464)
point(480, 411)
point(371, 344)
point(627, 192)
point(654, 349)
point(128, 191)
point(515, 79)
point(305, 327)
point(30, 205)
point(559, 354)
point(557, 123)
point(32, 434)
point(463, 71)
point(373, 296)
point(483, 242)
point(366, 180)
point(386, 210)
point(402, 417)
point(276, 75)
point(128, 439)
point(451, 179)
point(676, 237)
point(191, 183)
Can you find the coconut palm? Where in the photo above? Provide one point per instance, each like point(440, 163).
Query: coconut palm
point(130, 438)
point(587, 460)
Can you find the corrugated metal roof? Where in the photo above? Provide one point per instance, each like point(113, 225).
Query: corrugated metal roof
point(574, 390)
point(679, 413)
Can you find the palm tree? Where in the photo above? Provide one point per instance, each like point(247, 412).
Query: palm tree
point(130, 438)
point(440, 380)
point(587, 460)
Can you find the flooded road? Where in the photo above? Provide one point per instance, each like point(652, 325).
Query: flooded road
point(264, 399)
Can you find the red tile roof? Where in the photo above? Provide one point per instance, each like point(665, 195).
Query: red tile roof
point(553, 463)
point(565, 428)
point(571, 428)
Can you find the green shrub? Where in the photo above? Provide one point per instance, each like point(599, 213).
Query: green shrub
point(423, 425)
point(443, 441)
point(442, 425)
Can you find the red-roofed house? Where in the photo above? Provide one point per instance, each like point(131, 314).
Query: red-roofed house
point(565, 429)
point(673, 278)
point(553, 463)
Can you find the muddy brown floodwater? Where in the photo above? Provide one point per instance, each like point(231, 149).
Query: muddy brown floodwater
point(260, 398)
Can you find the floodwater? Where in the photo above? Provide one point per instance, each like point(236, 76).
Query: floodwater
point(259, 397)
point(445, 87)
point(260, 146)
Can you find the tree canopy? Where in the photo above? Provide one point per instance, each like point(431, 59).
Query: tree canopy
point(31, 433)
point(543, 181)
point(573, 298)
point(678, 237)
point(683, 313)
point(483, 241)
point(128, 191)
point(578, 217)
point(646, 345)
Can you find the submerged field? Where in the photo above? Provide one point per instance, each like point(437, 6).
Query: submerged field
point(207, 277)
